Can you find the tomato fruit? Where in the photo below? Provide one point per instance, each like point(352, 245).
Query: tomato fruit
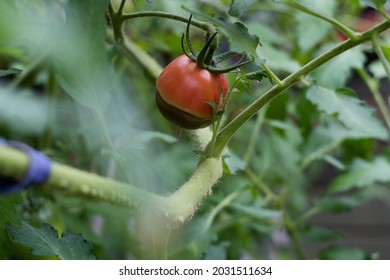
point(185, 93)
point(193, 87)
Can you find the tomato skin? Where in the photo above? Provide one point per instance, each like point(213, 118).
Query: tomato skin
point(184, 90)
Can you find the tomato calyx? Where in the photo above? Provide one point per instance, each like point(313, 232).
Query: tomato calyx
point(205, 58)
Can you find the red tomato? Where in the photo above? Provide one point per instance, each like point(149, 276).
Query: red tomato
point(185, 90)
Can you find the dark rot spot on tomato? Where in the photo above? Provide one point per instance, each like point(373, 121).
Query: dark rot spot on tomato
point(180, 117)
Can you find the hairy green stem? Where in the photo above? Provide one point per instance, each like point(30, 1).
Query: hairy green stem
point(231, 128)
point(173, 209)
point(161, 240)
point(14, 163)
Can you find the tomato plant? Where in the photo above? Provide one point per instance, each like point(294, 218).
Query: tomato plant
point(290, 128)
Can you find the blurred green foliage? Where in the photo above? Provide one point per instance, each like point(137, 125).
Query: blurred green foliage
point(67, 90)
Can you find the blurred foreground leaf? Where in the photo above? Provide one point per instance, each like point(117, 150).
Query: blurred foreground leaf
point(9, 217)
point(44, 241)
point(9, 72)
point(23, 112)
point(80, 57)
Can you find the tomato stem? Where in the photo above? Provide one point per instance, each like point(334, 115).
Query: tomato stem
point(200, 24)
point(121, 7)
point(203, 59)
point(194, 53)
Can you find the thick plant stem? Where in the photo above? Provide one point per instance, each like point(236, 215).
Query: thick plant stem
point(14, 163)
point(172, 210)
point(161, 239)
point(230, 129)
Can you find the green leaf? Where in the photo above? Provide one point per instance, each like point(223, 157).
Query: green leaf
point(280, 148)
point(343, 253)
point(325, 138)
point(377, 4)
point(239, 38)
point(309, 29)
point(350, 111)
point(362, 173)
point(44, 241)
point(377, 70)
point(217, 252)
point(23, 113)
point(238, 7)
point(257, 212)
point(258, 76)
point(80, 58)
point(233, 163)
point(142, 139)
point(335, 73)
point(10, 71)
point(9, 217)
point(277, 59)
point(339, 204)
point(319, 234)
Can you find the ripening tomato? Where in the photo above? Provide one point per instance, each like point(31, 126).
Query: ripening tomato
point(185, 92)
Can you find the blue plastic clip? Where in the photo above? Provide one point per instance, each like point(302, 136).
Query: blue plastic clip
point(38, 172)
